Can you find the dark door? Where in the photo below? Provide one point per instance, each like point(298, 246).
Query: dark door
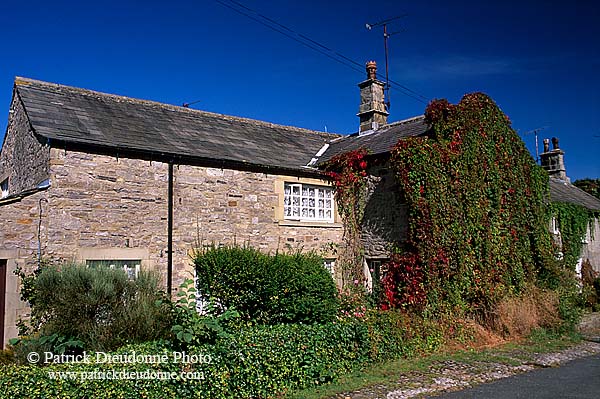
point(2, 299)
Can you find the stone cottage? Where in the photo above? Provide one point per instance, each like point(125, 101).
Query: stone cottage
point(103, 179)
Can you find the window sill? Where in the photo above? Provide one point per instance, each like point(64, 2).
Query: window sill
point(302, 223)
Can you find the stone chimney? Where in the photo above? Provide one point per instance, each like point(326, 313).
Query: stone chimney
point(554, 160)
point(372, 111)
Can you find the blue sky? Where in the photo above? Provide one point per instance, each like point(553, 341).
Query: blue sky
point(539, 60)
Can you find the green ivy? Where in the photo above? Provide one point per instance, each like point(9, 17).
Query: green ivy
point(573, 222)
point(478, 224)
point(349, 173)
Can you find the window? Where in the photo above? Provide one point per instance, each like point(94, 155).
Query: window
point(306, 202)
point(131, 267)
point(4, 188)
point(375, 268)
point(329, 265)
point(201, 302)
point(554, 226)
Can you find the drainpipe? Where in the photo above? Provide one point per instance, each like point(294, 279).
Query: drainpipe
point(170, 232)
point(40, 233)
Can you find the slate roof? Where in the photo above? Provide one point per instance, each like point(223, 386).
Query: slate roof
point(562, 191)
point(86, 117)
point(379, 141)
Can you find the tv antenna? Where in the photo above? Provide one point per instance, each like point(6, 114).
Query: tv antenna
point(386, 35)
point(535, 133)
point(187, 105)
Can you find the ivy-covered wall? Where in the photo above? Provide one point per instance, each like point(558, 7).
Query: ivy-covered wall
point(477, 221)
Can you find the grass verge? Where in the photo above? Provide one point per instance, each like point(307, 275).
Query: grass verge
point(513, 354)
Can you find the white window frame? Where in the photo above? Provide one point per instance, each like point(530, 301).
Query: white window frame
point(131, 267)
point(201, 302)
point(329, 265)
point(299, 204)
point(554, 226)
point(4, 188)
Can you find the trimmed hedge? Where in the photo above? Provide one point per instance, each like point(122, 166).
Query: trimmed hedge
point(268, 289)
point(257, 362)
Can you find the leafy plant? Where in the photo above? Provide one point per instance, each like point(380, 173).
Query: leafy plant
point(590, 186)
point(573, 222)
point(269, 289)
point(192, 328)
point(54, 343)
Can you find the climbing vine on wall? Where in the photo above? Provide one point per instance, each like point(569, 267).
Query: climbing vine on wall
point(478, 226)
point(348, 171)
point(573, 222)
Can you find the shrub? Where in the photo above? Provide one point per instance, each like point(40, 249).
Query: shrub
point(280, 288)
point(261, 361)
point(100, 307)
point(6, 356)
point(258, 362)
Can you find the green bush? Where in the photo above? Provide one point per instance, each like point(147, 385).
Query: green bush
point(100, 307)
point(258, 362)
point(269, 289)
point(263, 361)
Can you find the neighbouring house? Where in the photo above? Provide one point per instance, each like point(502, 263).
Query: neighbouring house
point(561, 190)
point(103, 179)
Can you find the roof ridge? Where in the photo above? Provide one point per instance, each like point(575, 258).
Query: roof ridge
point(23, 81)
point(403, 121)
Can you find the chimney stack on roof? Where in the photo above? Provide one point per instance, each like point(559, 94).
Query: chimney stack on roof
point(554, 160)
point(372, 111)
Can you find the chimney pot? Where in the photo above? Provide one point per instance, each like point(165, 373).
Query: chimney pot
point(546, 145)
point(555, 143)
point(371, 70)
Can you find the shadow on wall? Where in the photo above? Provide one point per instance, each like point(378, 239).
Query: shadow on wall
point(385, 221)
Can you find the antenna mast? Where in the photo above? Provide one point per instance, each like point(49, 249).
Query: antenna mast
point(535, 133)
point(386, 35)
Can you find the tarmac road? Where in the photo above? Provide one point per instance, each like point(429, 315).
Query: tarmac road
point(579, 378)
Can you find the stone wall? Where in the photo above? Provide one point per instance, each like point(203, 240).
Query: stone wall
point(224, 206)
point(25, 156)
point(591, 248)
point(385, 222)
point(103, 202)
point(20, 225)
point(104, 207)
